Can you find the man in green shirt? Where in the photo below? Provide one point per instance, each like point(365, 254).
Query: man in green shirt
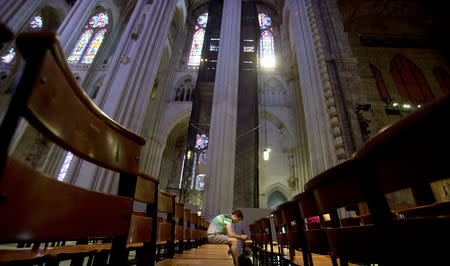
point(220, 232)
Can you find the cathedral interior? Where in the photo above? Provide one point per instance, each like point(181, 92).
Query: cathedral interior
point(241, 103)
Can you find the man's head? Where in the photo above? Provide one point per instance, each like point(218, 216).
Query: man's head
point(237, 216)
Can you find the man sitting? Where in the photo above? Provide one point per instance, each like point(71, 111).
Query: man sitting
point(220, 232)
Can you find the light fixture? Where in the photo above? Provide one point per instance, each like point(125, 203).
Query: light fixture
point(266, 154)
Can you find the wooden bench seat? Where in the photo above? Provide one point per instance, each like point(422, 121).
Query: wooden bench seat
point(38, 208)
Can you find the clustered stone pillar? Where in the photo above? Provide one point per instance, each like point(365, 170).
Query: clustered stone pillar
point(218, 196)
point(128, 83)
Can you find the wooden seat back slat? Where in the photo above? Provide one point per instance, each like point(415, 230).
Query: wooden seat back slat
point(46, 209)
point(59, 107)
point(140, 229)
point(179, 207)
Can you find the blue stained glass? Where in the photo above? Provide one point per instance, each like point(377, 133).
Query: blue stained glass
point(36, 22)
point(93, 48)
point(196, 49)
point(9, 57)
point(79, 47)
point(99, 21)
point(201, 182)
point(65, 167)
point(264, 21)
point(201, 142)
point(202, 20)
point(203, 157)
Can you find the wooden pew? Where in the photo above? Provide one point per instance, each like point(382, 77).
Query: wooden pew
point(179, 227)
point(187, 228)
point(38, 208)
point(411, 154)
point(166, 225)
point(143, 226)
point(265, 243)
point(314, 232)
point(336, 188)
point(389, 162)
point(293, 225)
point(280, 230)
point(194, 230)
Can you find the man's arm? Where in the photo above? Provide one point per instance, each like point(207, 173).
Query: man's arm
point(233, 235)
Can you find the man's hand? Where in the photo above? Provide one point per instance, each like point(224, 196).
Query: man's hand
point(244, 237)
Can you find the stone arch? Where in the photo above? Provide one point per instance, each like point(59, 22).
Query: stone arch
point(183, 89)
point(276, 191)
point(278, 124)
point(174, 139)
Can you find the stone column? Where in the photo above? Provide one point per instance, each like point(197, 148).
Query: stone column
point(13, 12)
point(127, 86)
point(311, 99)
point(218, 195)
point(343, 71)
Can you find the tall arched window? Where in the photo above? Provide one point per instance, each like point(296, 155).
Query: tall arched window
point(266, 47)
point(92, 37)
point(197, 41)
point(410, 81)
point(384, 94)
point(442, 78)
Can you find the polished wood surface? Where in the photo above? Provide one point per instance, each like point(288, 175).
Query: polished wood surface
point(51, 210)
point(208, 254)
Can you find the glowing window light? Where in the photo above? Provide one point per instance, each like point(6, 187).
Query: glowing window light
point(79, 47)
point(201, 141)
point(202, 158)
point(9, 57)
point(202, 20)
point(99, 21)
point(249, 49)
point(264, 21)
point(93, 48)
point(266, 154)
point(36, 22)
point(65, 167)
point(267, 51)
point(196, 49)
point(200, 185)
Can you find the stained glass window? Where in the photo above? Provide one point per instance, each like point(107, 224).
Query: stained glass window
point(96, 27)
point(267, 52)
point(202, 20)
point(249, 49)
point(201, 182)
point(202, 158)
point(65, 167)
point(197, 41)
point(264, 21)
point(36, 22)
point(266, 46)
point(201, 142)
point(93, 48)
point(9, 57)
point(79, 47)
point(196, 49)
point(99, 21)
